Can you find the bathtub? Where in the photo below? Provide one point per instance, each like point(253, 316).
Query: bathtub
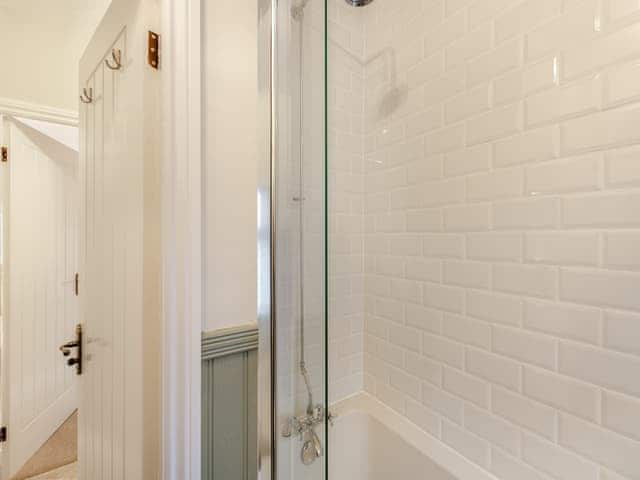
point(370, 441)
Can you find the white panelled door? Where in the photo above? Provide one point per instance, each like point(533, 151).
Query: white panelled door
point(119, 389)
point(40, 215)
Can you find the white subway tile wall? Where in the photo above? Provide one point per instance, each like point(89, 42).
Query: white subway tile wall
point(497, 150)
point(346, 181)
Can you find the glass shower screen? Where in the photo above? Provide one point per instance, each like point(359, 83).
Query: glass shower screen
point(293, 242)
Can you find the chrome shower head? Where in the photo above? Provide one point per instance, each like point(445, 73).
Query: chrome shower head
point(358, 3)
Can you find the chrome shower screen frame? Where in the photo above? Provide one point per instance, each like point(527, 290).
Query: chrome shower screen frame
point(267, 61)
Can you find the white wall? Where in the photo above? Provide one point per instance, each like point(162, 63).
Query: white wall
point(41, 42)
point(502, 217)
point(231, 163)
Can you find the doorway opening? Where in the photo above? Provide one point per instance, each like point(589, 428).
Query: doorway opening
point(39, 211)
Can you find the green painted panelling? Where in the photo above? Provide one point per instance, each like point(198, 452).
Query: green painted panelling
point(229, 412)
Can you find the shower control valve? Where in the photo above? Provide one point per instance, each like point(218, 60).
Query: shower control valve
point(303, 423)
point(317, 414)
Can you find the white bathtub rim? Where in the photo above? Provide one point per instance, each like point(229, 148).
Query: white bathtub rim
point(443, 455)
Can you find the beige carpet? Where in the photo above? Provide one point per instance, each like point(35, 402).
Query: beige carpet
point(68, 472)
point(60, 450)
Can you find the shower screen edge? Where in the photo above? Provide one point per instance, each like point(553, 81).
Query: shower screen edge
point(266, 194)
point(326, 239)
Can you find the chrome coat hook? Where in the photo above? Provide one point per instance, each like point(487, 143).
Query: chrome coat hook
point(87, 96)
point(117, 58)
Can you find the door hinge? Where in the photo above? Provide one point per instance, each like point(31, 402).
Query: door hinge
point(76, 282)
point(152, 49)
point(3, 434)
point(4, 153)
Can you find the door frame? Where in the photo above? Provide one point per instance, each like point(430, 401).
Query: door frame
point(182, 244)
point(4, 294)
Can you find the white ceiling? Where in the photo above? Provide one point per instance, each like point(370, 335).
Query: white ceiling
point(52, 9)
point(44, 39)
point(53, 14)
